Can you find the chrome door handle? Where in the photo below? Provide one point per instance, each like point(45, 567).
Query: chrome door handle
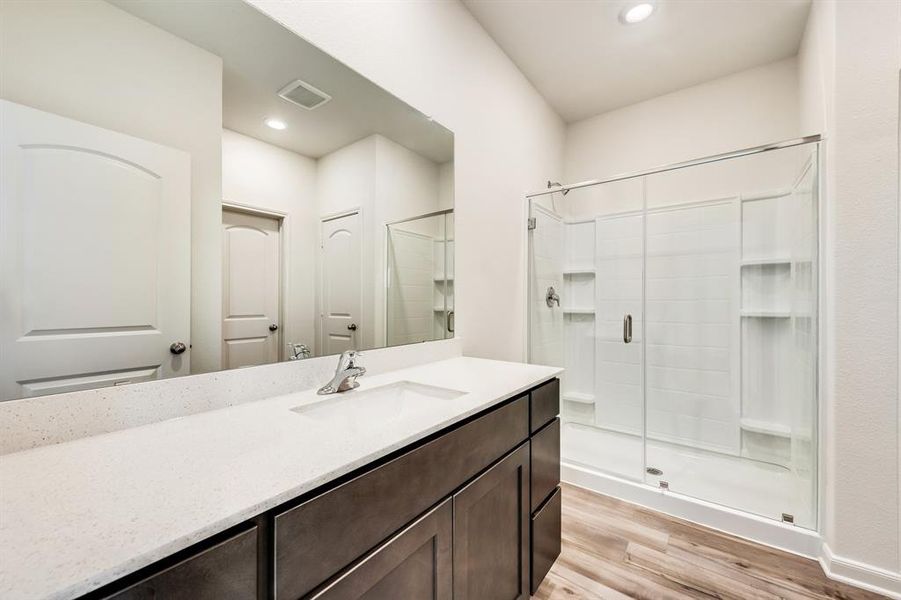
point(273, 327)
point(177, 347)
point(627, 328)
point(352, 327)
point(449, 321)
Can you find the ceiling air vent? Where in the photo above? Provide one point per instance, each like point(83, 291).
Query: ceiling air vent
point(304, 95)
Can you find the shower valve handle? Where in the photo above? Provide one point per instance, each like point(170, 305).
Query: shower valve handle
point(551, 297)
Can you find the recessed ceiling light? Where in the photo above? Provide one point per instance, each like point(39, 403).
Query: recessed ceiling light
point(276, 124)
point(636, 13)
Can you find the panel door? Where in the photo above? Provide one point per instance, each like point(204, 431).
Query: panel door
point(251, 265)
point(491, 532)
point(415, 564)
point(95, 255)
point(341, 284)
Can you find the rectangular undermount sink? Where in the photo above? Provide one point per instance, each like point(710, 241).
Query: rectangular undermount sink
point(373, 407)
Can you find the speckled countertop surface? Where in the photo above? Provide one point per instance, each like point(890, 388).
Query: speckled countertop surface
point(78, 515)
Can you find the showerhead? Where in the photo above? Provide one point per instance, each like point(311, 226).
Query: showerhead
point(551, 184)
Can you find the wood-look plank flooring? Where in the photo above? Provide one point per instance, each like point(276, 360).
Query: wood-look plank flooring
point(616, 550)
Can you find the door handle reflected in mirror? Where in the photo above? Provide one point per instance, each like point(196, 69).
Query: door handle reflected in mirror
point(177, 347)
point(352, 327)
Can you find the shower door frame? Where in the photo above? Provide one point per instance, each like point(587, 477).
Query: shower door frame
point(807, 539)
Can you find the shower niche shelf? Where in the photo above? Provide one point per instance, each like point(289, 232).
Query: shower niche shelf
point(578, 271)
point(775, 261)
point(765, 427)
point(766, 314)
point(569, 310)
point(578, 397)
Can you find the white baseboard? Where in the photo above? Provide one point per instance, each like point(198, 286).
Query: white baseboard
point(852, 572)
point(741, 524)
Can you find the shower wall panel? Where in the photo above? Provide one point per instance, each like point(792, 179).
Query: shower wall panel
point(692, 324)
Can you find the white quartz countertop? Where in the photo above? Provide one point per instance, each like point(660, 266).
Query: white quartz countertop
point(78, 515)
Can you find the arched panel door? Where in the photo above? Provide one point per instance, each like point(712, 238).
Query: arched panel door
point(95, 256)
point(251, 269)
point(341, 284)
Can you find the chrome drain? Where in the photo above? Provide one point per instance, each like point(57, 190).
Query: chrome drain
point(654, 471)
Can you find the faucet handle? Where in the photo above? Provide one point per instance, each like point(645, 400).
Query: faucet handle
point(348, 359)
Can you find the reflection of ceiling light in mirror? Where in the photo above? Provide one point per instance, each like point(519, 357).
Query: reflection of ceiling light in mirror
point(636, 13)
point(276, 124)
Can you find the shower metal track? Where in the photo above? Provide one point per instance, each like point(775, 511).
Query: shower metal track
point(681, 165)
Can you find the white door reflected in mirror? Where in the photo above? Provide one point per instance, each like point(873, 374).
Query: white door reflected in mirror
point(94, 255)
point(341, 283)
point(251, 284)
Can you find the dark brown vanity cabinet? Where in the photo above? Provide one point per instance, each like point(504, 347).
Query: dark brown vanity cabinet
point(491, 532)
point(470, 513)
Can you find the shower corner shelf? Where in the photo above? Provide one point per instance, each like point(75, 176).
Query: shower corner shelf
point(578, 271)
point(774, 261)
point(765, 427)
point(578, 397)
point(578, 311)
point(766, 314)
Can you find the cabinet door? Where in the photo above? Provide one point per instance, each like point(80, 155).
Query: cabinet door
point(415, 564)
point(491, 532)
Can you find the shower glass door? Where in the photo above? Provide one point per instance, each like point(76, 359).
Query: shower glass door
point(714, 394)
point(586, 315)
point(419, 279)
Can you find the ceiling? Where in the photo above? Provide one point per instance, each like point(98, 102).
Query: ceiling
point(585, 62)
point(260, 57)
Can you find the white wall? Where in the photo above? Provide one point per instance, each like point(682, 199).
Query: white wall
point(260, 175)
point(132, 88)
point(850, 65)
point(508, 141)
point(749, 108)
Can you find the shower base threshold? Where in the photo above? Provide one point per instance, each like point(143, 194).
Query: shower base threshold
point(790, 538)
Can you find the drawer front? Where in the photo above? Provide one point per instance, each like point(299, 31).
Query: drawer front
point(416, 563)
point(545, 539)
point(227, 570)
point(317, 539)
point(545, 462)
point(544, 404)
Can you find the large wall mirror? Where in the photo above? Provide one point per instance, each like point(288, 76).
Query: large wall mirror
point(189, 186)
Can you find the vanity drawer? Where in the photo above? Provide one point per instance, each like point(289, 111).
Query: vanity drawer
point(226, 570)
point(545, 538)
point(545, 462)
point(416, 563)
point(318, 538)
point(544, 404)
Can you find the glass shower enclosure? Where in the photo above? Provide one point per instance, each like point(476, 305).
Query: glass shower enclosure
point(683, 305)
point(419, 279)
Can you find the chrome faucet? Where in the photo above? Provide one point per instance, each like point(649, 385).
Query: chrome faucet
point(345, 375)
